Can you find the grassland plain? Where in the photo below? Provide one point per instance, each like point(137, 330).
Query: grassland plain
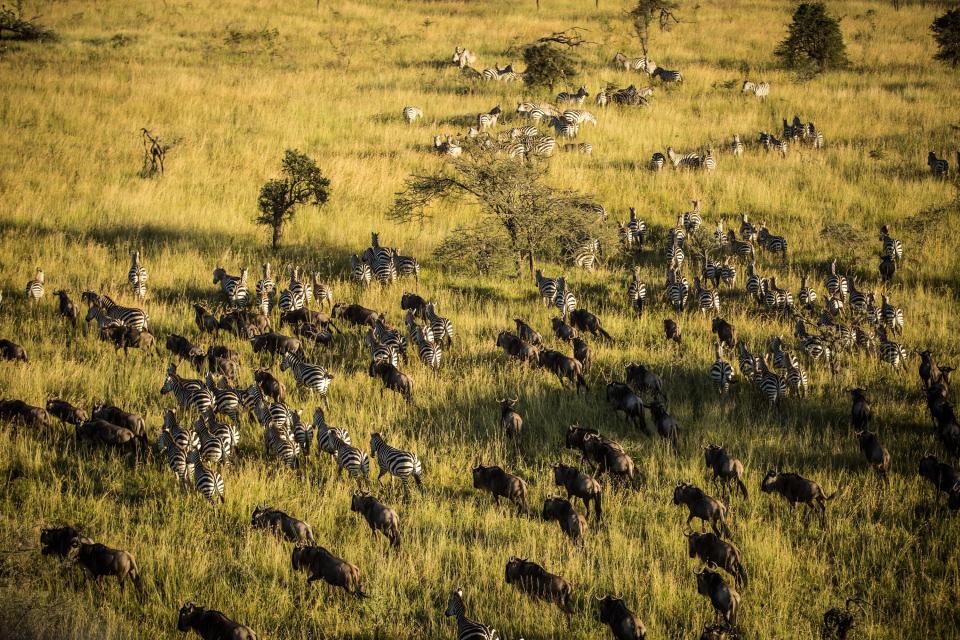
point(235, 83)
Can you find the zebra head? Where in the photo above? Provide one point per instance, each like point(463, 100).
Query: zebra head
point(219, 274)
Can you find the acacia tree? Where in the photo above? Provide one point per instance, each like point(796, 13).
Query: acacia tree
point(301, 182)
point(648, 12)
point(520, 218)
point(946, 31)
point(813, 38)
point(548, 62)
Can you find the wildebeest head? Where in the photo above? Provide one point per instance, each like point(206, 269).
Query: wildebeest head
point(514, 569)
point(554, 508)
point(611, 608)
point(713, 453)
point(679, 492)
point(769, 480)
point(479, 476)
point(188, 613)
point(707, 578)
point(358, 499)
point(259, 513)
point(506, 404)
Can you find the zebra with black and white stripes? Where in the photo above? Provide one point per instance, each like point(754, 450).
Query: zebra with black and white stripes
point(327, 436)
point(721, 372)
point(34, 289)
point(796, 378)
point(360, 271)
point(708, 162)
point(585, 254)
point(208, 482)
point(813, 346)
point(633, 64)
point(488, 119)
point(190, 394)
point(746, 361)
point(213, 449)
point(666, 75)
point(807, 295)
point(727, 273)
point(234, 287)
point(759, 89)
point(675, 254)
point(638, 227)
point(412, 114)
point(890, 352)
point(835, 283)
point(939, 167)
point(578, 116)
point(565, 301)
point(302, 431)
point(575, 98)
point(707, 299)
point(742, 249)
point(467, 629)
point(226, 401)
point(311, 376)
point(380, 352)
point(565, 129)
point(546, 286)
point(890, 315)
point(291, 301)
point(771, 385)
point(127, 316)
point(857, 299)
point(322, 293)
point(683, 160)
point(428, 348)
point(637, 292)
point(541, 146)
point(176, 456)
point(398, 463)
point(137, 276)
point(892, 248)
point(657, 161)
point(677, 288)
point(736, 146)
point(353, 460)
point(581, 147)
point(754, 281)
point(440, 327)
point(770, 242)
point(692, 219)
point(265, 290)
point(405, 265)
point(812, 137)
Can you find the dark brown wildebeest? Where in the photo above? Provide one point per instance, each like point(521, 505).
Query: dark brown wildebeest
point(379, 516)
point(624, 624)
point(571, 523)
point(281, 524)
point(536, 581)
point(100, 560)
point(579, 485)
point(795, 488)
point(323, 565)
point(211, 624)
point(725, 600)
point(709, 547)
point(701, 506)
point(726, 469)
point(12, 351)
point(501, 484)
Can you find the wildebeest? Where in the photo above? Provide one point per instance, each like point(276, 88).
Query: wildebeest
point(534, 580)
point(12, 351)
point(583, 354)
point(709, 547)
point(795, 488)
point(702, 506)
point(66, 307)
point(355, 314)
point(517, 348)
point(115, 415)
point(579, 485)
point(725, 600)
point(875, 453)
point(18, 411)
point(100, 560)
point(276, 344)
point(320, 564)
point(66, 412)
point(314, 332)
point(304, 316)
point(726, 332)
point(527, 333)
point(499, 483)
point(607, 458)
point(725, 468)
point(929, 371)
point(943, 477)
point(510, 420)
point(860, 411)
point(666, 424)
point(379, 516)
point(671, 330)
point(281, 524)
point(583, 320)
point(244, 324)
point(413, 302)
point(101, 432)
point(392, 378)
point(269, 385)
point(223, 361)
point(624, 624)
point(211, 624)
point(837, 622)
point(644, 380)
point(622, 398)
point(564, 367)
point(184, 349)
point(57, 541)
point(562, 330)
point(577, 435)
point(571, 523)
point(126, 337)
point(206, 321)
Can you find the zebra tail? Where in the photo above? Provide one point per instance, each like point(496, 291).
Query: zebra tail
point(138, 583)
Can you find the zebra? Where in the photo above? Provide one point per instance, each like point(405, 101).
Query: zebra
point(322, 292)
point(381, 259)
point(513, 149)
point(637, 292)
point(890, 352)
point(742, 249)
point(440, 327)
point(727, 273)
point(302, 431)
point(939, 167)
point(546, 286)
point(771, 385)
point(602, 99)
point(127, 316)
point(95, 312)
point(428, 349)
point(212, 449)
point(707, 299)
point(770, 242)
point(890, 315)
point(857, 299)
point(280, 442)
point(775, 296)
point(736, 146)
point(565, 129)
point(349, 457)
point(746, 361)
point(176, 456)
point(638, 227)
point(692, 219)
point(796, 378)
point(208, 482)
point(488, 119)
point(467, 629)
point(675, 253)
point(360, 271)
point(226, 401)
point(189, 393)
point(582, 147)
point(708, 162)
point(291, 301)
point(34, 289)
point(234, 287)
point(506, 74)
point(812, 346)
point(666, 75)
point(300, 289)
point(311, 376)
point(812, 137)
point(781, 358)
point(709, 269)
point(836, 284)
point(719, 235)
point(463, 58)
point(526, 131)
point(759, 89)
point(892, 248)
point(389, 337)
point(576, 98)
point(565, 301)
point(398, 463)
point(633, 64)
point(807, 295)
point(677, 289)
point(578, 116)
point(792, 131)
point(411, 114)
point(748, 231)
point(380, 351)
point(266, 284)
point(137, 276)
point(405, 266)
point(585, 255)
point(683, 160)
point(778, 145)
point(327, 436)
point(447, 147)
point(754, 280)
point(657, 161)
point(721, 372)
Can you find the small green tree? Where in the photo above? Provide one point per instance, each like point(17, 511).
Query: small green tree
point(550, 61)
point(813, 39)
point(19, 27)
point(946, 31)
point(301, 182)
point(646, 12)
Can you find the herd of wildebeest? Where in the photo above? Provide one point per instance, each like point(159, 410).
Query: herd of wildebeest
point(199, 438)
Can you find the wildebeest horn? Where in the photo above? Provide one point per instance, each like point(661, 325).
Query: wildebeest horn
point(516, 400)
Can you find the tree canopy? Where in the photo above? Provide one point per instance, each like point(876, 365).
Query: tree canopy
point(646, 12)
point(946, 32)
point(813, 40)
point(300, 182)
